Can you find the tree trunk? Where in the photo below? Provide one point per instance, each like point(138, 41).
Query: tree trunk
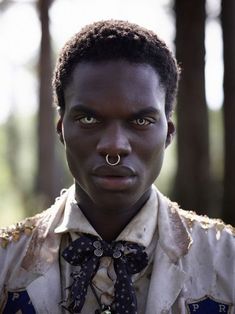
point(228, 27)
point(45, 181)
point(192, 188)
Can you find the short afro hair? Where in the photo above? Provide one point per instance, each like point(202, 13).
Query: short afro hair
point(116, 40)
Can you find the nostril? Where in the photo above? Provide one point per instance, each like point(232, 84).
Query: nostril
point(114, 148)
point(113, 152)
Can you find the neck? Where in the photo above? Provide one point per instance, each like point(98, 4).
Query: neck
point(109, 222)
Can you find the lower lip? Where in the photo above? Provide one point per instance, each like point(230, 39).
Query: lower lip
point(115, 183)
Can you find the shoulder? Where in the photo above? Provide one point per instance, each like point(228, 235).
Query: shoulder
point(22, 229)
point(207, 234)
point(203, 222)
point(29, 247)
point(15, 242)
point(171, 211)
point(40, 223)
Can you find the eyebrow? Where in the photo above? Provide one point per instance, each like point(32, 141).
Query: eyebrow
point(94, 113)
point(145, 111)
point(84, 109)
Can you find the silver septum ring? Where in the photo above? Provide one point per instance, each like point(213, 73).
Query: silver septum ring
point(107, 158)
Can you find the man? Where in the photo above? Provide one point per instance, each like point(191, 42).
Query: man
point(112, 243)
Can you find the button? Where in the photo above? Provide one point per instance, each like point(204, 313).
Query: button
point(119, 247)
point(117, 254)
point(98, 252)
point(97, 244)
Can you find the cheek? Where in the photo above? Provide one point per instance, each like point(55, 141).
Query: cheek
point(79, 152)
point(74, 152)
point(76, 144)
point(153, 144)
point(77, 156)
point(152, 153)
point(153, 164)
point(72, 161)
point(155, 157)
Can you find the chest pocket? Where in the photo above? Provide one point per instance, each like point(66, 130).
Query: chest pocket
point(18, 302)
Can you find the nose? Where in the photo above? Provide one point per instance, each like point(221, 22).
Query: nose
point(113, 141)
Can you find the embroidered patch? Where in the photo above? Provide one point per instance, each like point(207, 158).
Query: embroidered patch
point(18, 302)
point(207, 305)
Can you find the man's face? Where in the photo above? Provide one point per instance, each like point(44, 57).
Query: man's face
point(114, 107)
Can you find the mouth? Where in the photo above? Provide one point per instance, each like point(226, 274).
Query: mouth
point(116, 179)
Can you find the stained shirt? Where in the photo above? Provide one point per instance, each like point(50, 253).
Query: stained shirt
point(142, 230)
point(191, 267)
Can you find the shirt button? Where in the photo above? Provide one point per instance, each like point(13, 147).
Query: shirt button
point(97, 244)
point(98, 252)
point(117, 254)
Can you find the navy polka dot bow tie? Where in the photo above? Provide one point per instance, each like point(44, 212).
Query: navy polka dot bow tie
point(129, 258)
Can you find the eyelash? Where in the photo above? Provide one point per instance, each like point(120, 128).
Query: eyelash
point(145, 121)
point(87, 123)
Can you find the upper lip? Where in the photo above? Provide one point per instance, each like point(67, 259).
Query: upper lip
point(118, 171)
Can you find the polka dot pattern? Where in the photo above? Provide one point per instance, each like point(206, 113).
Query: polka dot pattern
point(129, 258)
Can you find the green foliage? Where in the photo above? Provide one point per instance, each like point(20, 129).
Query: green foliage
point(17, 162)
point(11, 207)
point(5, 172)
point(216, 143)
point(18, 156)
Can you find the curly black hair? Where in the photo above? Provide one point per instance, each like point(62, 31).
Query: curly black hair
point(115, 40)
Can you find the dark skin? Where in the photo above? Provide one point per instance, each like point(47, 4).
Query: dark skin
point(114, 107)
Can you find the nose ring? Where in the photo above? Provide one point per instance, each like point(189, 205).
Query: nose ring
point(107, 158)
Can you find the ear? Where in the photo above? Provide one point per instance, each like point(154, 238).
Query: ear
point(59, 130)
point(170, 132)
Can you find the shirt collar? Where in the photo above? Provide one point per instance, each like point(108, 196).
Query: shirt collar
point(139, 230)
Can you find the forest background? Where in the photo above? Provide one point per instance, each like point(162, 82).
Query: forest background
point(198, 171)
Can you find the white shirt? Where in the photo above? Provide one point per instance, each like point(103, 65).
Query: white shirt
point(141, 230)
point(193, 259)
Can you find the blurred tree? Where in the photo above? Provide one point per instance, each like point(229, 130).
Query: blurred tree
point(46, 183)
point(4, 4)
point(228, 27)
point(193, 183)
point(13, 148)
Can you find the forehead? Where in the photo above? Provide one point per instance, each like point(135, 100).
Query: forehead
point(115, 82)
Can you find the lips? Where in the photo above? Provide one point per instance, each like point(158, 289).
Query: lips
point(118, 178)
point(117, 171)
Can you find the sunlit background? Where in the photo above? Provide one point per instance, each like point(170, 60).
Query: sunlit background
point(20, 41)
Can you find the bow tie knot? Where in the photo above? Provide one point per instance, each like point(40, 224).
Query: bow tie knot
point(114, 250)
point(129, 258)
